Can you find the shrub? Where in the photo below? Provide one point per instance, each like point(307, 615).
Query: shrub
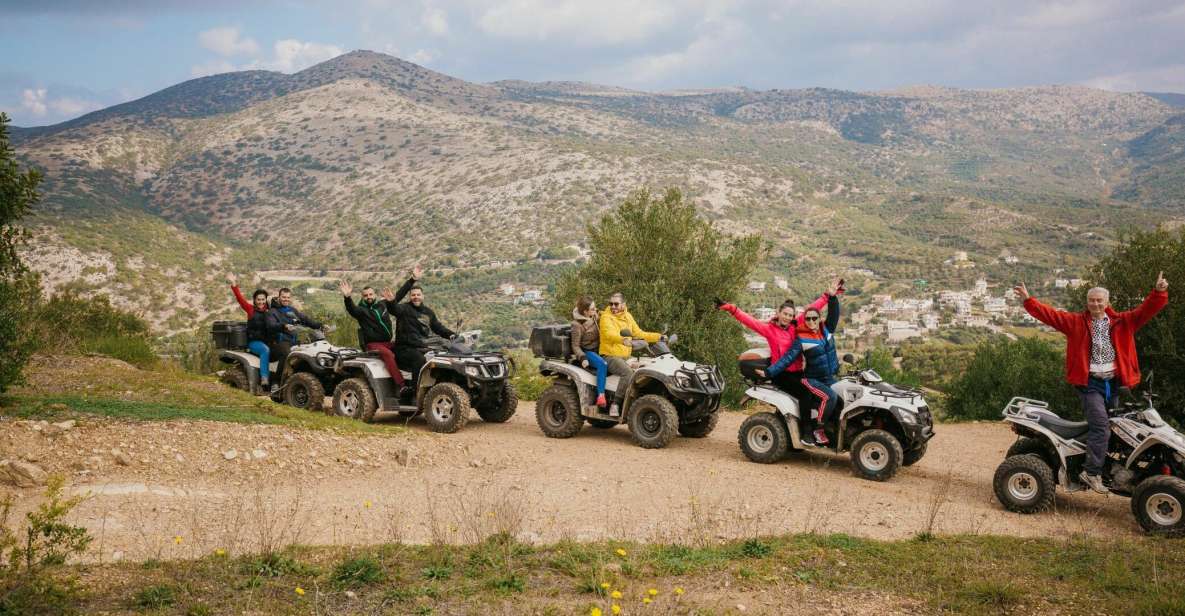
point(69, 323)
point(18, 194)
point(361, 571)
point(156, 597)
point(1002, 369)
point(30, 582)
point(670, 263)
point(527, 381)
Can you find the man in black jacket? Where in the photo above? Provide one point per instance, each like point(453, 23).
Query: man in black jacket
point(414, 323)
point(374, 323)
point(282, 320)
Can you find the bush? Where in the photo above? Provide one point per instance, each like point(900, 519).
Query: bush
point(527, 381)
point(17, 297)
point(669, 263)
point(1002, 369)
point(18, 194)
point(68, 323)
point(356, 572)
point(30, 582)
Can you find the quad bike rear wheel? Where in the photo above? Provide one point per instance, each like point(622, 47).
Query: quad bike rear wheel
point(354, 399)
point(557, 411)
point(1159, 505)
point(303, 391)
point(236, 377)
point(763, 438)
point(1037, 446)
point(446, 407)
point(876, 455)
point(653, 421)
point(501, 409)
point(1024, 484)
point(700, 428)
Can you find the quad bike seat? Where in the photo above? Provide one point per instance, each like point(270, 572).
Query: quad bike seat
point(750, 363)
point(1061, 427)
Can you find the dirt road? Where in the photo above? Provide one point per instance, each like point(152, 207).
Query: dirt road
point(175, 489)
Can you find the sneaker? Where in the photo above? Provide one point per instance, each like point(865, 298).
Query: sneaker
point(274, 390)
point(614, 411)
point(601, 402)
point(808, 439)
point(1094, 482)
point(821, 437)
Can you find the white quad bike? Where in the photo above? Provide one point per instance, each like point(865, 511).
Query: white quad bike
point(884, 426)
point(1145, 461)
point(666, 396)
point(306, 374)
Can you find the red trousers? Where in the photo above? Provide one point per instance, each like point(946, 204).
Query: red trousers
point(384, 351)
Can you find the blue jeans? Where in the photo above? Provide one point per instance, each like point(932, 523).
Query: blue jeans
point(257, 347)
point(598, 362)
point(828, 400)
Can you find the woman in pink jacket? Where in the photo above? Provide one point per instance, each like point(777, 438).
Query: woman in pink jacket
point(780, 332)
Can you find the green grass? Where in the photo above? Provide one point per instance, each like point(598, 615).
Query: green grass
point(955, 574)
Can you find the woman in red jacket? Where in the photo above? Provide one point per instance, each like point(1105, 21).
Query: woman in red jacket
point(256, 311)
point(1100, 358)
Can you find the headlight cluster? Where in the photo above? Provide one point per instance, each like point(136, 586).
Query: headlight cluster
point(905, 415)
point(683, 380)
point(473, 370)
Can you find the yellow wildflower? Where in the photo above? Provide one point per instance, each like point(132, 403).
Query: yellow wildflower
point(177, 539)
point(300, 591)
point(615, 594)
point(616, 609)
point(620, 552)
point(596, 611)
point(646, 600)
point(652, 592)
point(366, 504)
point(678, 590)
point(605, 585)
point(220, 552)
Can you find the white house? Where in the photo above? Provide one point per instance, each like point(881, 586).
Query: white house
point(756, 286)
point(781, 283)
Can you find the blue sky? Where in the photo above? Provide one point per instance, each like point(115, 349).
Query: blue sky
point(64, 58)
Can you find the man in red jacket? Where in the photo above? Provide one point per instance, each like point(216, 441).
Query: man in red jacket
point(1100, 358)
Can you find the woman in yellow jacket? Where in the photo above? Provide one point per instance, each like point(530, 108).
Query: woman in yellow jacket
point(616, 349)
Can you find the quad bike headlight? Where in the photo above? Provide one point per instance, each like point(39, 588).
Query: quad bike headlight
point(683, 380)
point(904, 414)
point(473, 370)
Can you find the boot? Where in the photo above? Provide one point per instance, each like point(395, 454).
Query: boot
point(601, 403)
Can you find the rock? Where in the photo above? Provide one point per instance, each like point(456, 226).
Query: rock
point(121, 458)
point(258, 454)
point(402, 457)
point(230, 454)
point(117, 556)
point(741, 607)
point(94, 461)
point(66, 425)
point(475, 463)
point(180, 458)
point(351, 594)
point(22, 474)
point(32, 457)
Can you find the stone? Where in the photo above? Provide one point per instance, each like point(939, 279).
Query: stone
point(351, 594)
point(475, 463)
point(22, 474)
point(402, 457)
point(230, 454)
point(258, 454)
point(58, 406)
point(121, 458)
point(180, 458)
point(66, 425)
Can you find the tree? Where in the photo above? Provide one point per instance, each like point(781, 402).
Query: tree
point(1129, 273)
point(18, 193)
point(669, 263)
point(1003, 369)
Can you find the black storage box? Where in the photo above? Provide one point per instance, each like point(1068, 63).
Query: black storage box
point(551, 341)
point(230, 334)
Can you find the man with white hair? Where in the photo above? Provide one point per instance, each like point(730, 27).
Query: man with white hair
point(1100, 358)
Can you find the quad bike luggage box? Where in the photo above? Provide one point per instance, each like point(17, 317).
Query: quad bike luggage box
point(551, 341)
point(750, 362)
point(230, 334)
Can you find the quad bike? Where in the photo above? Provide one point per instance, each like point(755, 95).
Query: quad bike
point(308, 371)
point(884, 426)
point(666, 395)
point(1145, 461)
point(454, 380)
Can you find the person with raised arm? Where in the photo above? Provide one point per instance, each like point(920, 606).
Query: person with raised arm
point(257, 336)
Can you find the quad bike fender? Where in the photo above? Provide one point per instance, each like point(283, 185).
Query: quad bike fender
point(376, 375)
point(248, 361)
point(1064, 448)
point(1151, 442)
point(786, 405)
point(578, 376)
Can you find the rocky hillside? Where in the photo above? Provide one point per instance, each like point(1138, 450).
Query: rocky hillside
point(369, 162)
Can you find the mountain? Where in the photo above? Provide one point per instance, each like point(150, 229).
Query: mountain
point(367, 162)
point(1169, 98)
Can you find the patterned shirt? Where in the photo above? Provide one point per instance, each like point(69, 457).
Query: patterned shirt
point(1102, 351)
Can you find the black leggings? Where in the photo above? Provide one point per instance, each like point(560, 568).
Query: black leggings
point(791, 383)
point(279, 352)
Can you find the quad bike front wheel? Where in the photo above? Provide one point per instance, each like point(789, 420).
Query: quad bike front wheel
point(1159, 505)
point(763, 438)
point(304, 391)
point(502, 408)
point(557, 411)
point(876, 455)
point(653, 421)
point(354, 399)
point(1024, 484)
point(701, 427)
point(446, 407)
point(913, 456)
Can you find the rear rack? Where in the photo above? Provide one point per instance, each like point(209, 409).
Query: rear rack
point(1018, 406)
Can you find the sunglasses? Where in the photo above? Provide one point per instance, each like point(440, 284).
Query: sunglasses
point(616, 303)
point(812, 318)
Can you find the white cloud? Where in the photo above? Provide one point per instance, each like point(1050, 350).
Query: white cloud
point(39, 104)
point(577, 22)
point(292, 55)
point(227, 41)
point(1161, 79)
point(34, 102)
point(435, 21)
point(422, 56)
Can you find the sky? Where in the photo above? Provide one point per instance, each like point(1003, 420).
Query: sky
point(62, 58)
